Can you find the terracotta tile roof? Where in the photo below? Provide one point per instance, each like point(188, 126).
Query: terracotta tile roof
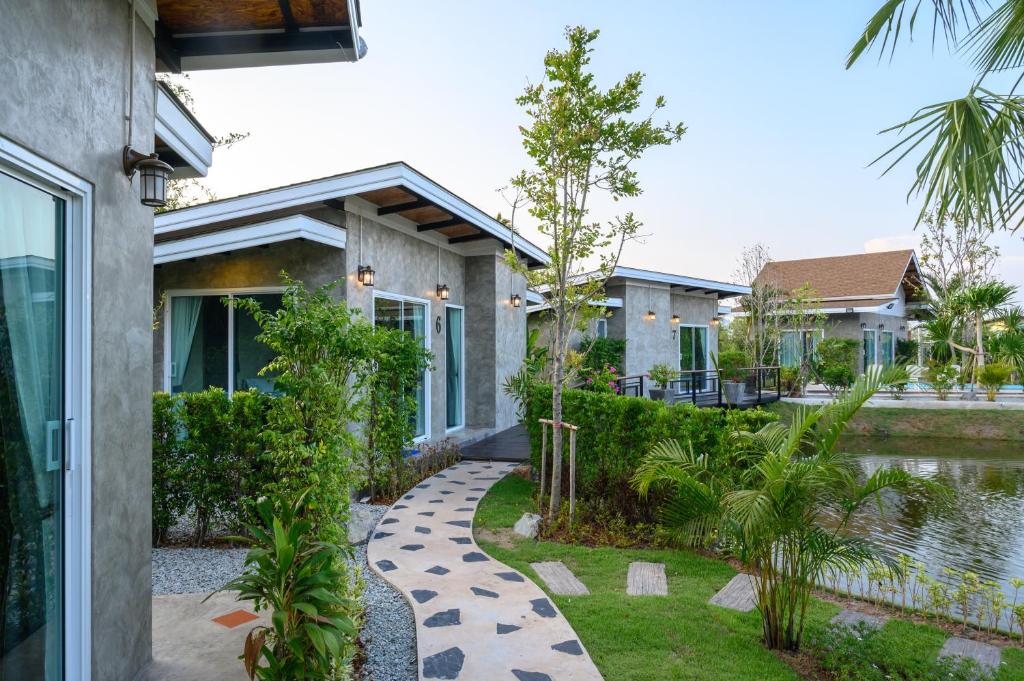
point(861, 275)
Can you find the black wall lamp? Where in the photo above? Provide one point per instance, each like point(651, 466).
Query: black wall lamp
point(516, 300)
point(442, 291)
point(153, 176)
point(365, 275)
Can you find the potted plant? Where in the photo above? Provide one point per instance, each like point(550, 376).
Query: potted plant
point(992, 377)
point(730, 365)
point(662, 375)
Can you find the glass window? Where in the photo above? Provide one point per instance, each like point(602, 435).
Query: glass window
point(870, 352)
point(396, 313)
point(31, 418)
point(887, 349)
point(791, 350)
point(453, 367)
point(602, 328)
point(214, 345)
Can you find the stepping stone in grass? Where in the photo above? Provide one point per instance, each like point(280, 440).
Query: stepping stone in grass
point(987, 656)
point(738, 594)
point(559, 579)
point(646, 579)
point(853, 619)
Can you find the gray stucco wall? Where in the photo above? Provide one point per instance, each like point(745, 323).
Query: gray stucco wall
point(652, 341)
point(64, 74)
point(849, 326)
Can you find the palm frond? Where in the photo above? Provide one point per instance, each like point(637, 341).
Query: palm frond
point(973, 162)
point(997, 43)
point(895, 17)
point(837, 415)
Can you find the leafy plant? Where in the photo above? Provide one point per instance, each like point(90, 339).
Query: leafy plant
point(942, 378)
point(397, 364)
point(323, 355)
point(300, 580)
point(730, 363)
point(601, 352)
point(992, 377)
point(791, 383)
point(896, 378)
point(207, 461)
point(600, 380)
point(662, 375)
point(834, 362)
point(168, 485)
point(785, 515)
point(517, 385)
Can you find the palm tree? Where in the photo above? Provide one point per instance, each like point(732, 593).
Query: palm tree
point(785, 512)
point(972, 148)
point(981, 302)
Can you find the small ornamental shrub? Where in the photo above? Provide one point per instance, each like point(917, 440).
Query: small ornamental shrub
point(730, 363)
point(834, 363)
point(207, 461)
point(602, 380)
point(602, 352)
point(942, 378)
point(168, 485)
point(992, 377)
point(662, 374)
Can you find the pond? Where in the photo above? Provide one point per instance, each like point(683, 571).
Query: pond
point(981, 530)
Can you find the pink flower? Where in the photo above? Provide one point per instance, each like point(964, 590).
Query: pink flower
point(589, 381)
point(612, 369)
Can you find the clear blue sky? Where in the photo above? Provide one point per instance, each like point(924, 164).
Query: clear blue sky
point(779, 139)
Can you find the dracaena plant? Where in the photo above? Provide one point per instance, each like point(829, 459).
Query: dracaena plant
point(784, 509)
point(301, 581)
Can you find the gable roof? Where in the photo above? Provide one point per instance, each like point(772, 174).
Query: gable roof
point(848, 277)
point(396, 189)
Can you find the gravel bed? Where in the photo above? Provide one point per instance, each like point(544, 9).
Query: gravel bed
point(389, 632)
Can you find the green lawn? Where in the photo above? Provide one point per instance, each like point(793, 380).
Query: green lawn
point(679, 636)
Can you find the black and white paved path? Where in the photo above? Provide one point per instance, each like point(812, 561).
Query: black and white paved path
point(476, 619)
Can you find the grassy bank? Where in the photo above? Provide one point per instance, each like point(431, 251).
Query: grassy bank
point(974, 424)
point(679, 636)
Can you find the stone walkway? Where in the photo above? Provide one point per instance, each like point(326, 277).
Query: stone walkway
point(476, 619)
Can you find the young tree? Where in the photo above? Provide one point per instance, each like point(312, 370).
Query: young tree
point(761, 340)
point(956, 253)
point(583, 141)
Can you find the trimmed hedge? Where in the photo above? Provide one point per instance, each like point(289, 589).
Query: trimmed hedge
point(209, 462)
point(615, 433)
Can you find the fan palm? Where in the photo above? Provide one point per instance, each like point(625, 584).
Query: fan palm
point(983, 301)
point(972, 162)
point(786, 511)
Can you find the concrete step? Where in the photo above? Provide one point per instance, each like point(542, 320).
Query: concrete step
point(986, 655)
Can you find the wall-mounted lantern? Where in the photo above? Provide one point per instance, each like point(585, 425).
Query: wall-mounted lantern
point(881, 326)
point(516, 300)
point(651, 316)
point(675, 319)
point(365, 275)
point(153, 175)
point(715, 322)
point(442, 291)
point(863, 325)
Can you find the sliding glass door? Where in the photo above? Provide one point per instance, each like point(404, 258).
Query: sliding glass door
point(396, 312)
point(32, 224)
point(693, 356)
point(870, 348)
point(454, 379)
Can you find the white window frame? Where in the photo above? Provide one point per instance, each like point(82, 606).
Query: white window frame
point(427, 386)
point(462, 370)
point(77, 509)
point(707, 351)
point(874, 333)
point(219, 292)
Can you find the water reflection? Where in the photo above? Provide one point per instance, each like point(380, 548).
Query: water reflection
point(979, 530)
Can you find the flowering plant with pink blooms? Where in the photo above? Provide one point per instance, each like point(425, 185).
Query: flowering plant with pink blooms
point(602, 380)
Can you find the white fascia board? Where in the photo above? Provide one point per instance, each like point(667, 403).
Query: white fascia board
point(392, 175)
point(253, 59)
point(274, 231)
point(680, 280)
point(602, 302)
point(534, 297)
point(180, 133)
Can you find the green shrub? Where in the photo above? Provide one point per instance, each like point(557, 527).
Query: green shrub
point(942, 378)
point(906, 351)
point(168, 483)
point(252, 468)
point(206, 458)
point(616, 432)
point(661, 374)
point(603, 352)
point(992, 377)
point(301, 580)
point(599, 380)
point(835, 361)
point(729, 364)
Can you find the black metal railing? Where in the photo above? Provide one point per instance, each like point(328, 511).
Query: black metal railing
point(710, 388)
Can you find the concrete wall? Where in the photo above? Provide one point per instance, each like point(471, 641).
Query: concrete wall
point(65, 75)
point(849, 326)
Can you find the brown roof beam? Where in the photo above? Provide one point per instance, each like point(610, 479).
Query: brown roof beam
point(469, 237)
point(401, 207)
point(441, 224)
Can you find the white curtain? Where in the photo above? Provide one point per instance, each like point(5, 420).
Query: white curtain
point(184, 319)
point(416, 318)
point(453, 364)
